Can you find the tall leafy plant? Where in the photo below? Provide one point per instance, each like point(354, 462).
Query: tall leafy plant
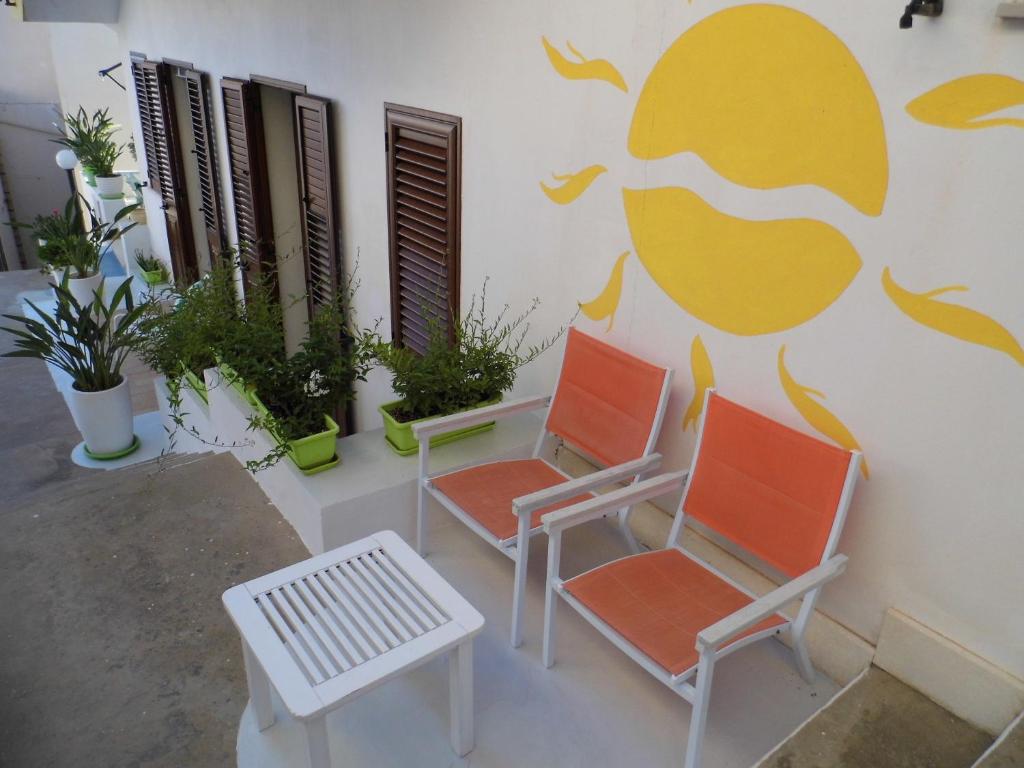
point(479, 365)
point(89, 342)
point(73, 244)
point(90, 137)
point(186, 329)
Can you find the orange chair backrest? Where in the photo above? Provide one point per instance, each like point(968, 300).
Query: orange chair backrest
point(770, 489)
point(606, 402)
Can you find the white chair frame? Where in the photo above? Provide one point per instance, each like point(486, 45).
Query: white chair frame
point(517, 548)
point(713, 642)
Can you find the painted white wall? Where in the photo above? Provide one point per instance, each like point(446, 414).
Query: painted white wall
point(937, 530)
point(79, 51)
point(32, 182)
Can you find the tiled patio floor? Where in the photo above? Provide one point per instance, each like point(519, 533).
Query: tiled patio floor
point(115, 650)
point(593, 708)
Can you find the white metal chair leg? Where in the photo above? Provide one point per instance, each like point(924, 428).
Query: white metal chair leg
point(519, 592)
point(550, 598)
point(460, 687)
point(421, 520)
point(803, 659)
point(796, 633)
point(627, 532)
point(421, 500)
point(316, 738)
point(259, 689)
point(699, 718)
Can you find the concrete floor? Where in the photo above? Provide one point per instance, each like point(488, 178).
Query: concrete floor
point(594, 709)
point(114, 647)
point(1008, 751)
point(879, 721)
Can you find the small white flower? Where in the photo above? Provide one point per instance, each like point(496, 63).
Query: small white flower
point(314, 387)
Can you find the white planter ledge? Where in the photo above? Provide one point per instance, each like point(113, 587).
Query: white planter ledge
point(372, 489)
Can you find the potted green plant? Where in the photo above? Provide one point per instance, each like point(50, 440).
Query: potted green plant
point(83, 254)
point(89, 137)
point(151, 268)
point(90, 343)
point(295, 396)
point(180, 335)
point(54, 232)
point(469, 368)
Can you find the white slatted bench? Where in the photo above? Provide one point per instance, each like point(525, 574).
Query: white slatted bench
point(330, 628)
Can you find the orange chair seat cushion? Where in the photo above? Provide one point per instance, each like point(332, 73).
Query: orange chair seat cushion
point(659, 601)
point(485, 492)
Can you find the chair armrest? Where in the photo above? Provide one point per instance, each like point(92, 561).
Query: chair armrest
point(600, 506)
point(725, 629)
point(527, 505)
point(426, 429)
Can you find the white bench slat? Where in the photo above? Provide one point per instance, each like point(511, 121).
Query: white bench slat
point(344, 614)
point(397, 593)
point(344, 650)
point(387, 601)
point(343, 582)
point(422, 599)
point(366, 589)
point(289, 603)
point(280, 598)
point(324, 648)
point(306, 664)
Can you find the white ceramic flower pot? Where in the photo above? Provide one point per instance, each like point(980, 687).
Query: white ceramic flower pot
point(84, 288)
point(104, 418)
point(110, 187)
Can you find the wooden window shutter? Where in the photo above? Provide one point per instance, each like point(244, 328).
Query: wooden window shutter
point(316, 184)
point(201, 125)
point(424, 156)
point(164, 164)
point(249, 184)
point(144, 99)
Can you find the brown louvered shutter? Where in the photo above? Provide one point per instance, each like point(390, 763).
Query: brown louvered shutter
point(164, 165)
point(249, 184)
point(201, 124)
point(313, 144)
point(423, 164)
point(146, 121)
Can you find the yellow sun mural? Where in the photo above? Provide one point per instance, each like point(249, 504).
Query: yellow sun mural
point(769, 98)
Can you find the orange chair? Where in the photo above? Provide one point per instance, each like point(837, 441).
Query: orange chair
point(775, 492)
point(607, 404)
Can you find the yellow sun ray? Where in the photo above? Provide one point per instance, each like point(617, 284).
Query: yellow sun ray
point(575, 184)
point(817, 415)
point(963, 103)
point(608, 300)
point(952, 319)
point(584, 69)
point(703, 378)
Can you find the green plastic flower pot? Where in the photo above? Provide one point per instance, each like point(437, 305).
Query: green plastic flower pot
point(314, 451)
point(230, 375)
point(153, 278)
point(196, 384)
point(402, 441)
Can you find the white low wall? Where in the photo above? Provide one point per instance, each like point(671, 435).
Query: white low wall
point(371, 490)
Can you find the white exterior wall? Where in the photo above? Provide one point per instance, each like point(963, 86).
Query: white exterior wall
point(937, 531)
point(32, 181)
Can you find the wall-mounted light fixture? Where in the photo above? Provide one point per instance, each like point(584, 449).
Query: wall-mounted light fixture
point(106, 73)
point(919, 8)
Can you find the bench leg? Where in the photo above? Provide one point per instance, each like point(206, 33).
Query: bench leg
point(316, 738)
point(259, 689)
point(460, 684)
